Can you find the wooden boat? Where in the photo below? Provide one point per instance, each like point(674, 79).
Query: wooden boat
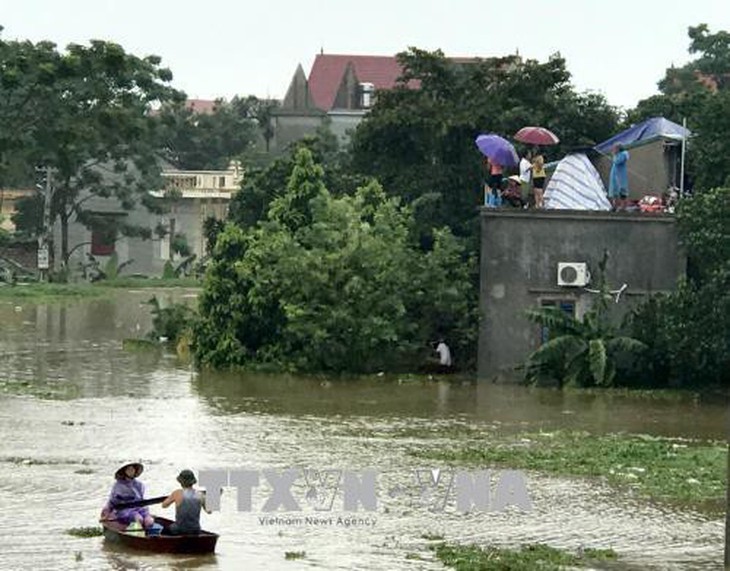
point(204, 542)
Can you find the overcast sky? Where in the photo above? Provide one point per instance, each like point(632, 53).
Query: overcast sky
point(226, 47)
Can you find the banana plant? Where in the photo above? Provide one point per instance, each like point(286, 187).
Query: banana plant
point(581, 351)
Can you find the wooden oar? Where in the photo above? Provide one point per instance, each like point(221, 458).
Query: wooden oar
point(139, 503)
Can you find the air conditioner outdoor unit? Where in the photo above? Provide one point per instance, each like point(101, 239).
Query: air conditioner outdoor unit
point(573, 274)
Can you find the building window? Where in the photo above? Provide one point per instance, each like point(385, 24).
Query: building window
point(102, 240)
point(566, 305)
point(222, 181)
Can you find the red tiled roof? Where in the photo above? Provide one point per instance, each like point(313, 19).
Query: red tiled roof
point(201, 106)
point(328, 70)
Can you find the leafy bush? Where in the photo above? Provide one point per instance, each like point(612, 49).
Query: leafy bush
point(180, 245)
point(330, 284)
point(170, 323)
point(95, 271)
point(688, 331)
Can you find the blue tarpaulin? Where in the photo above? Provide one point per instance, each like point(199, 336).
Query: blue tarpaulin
point(649, 130)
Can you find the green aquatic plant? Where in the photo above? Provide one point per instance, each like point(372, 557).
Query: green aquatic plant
point(85, 531)
point(685, 472)
point(526, 558)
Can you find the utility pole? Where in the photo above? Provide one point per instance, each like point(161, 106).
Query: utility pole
point(44, 239)
point(727, 513)
point(681, 167)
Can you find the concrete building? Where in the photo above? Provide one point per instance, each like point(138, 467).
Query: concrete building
point(187, 200)
point(521, 251)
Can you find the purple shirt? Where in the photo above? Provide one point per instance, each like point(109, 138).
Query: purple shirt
point(126, 491)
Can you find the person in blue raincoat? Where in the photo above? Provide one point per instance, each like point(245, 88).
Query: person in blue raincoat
point(618, 182)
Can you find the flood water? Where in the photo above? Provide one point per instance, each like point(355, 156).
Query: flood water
point(74, 406)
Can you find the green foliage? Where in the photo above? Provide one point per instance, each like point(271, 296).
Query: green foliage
point(85, 114)
point(95, 271)
point(329, 284)
point(704, 226)
point(171, 323)
point(263, 185)
point(85, 531)
point(688, 331)
point(710, 149)
point(112, 268)
point(180, 245)
point(420, 143)
point(28, 216)
point(195, 141)
point(211, 228)
point(527, 558)
point(670, 470)
point(168, 271)
point(699, 92)
point(293, 209)
point(714, 48)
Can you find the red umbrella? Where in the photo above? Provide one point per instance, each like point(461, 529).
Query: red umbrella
point(536, 136)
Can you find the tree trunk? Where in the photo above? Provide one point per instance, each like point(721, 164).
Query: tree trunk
point(64, 215)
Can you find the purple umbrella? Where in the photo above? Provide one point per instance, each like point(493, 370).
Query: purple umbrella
point(498, 150)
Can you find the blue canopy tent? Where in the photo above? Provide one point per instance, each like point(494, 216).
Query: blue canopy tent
point(649, 130)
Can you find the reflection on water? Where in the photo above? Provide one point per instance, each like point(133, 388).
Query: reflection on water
point(510, 405)
point(74, 406)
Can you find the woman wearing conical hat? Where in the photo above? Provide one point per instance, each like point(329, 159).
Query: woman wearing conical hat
point(127, 488)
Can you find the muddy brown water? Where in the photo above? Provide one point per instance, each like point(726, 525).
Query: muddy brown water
point(74, 406)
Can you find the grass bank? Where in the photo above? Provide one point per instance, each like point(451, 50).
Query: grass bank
point(526, 558)
point(48, 291)
point(684, 472)
point(44, 292)
point(131, 282)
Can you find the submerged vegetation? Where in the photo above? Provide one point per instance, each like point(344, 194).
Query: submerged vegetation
point(85, 531)
point(680, 471)
point(526, 558)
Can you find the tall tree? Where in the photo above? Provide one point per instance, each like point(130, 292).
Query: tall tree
point(262, 185)
point(419, 143)
point(211, 140)
point(689, 330)
point(88, 116)
point(28, 91)
point(330, 284)
point(700, 93)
